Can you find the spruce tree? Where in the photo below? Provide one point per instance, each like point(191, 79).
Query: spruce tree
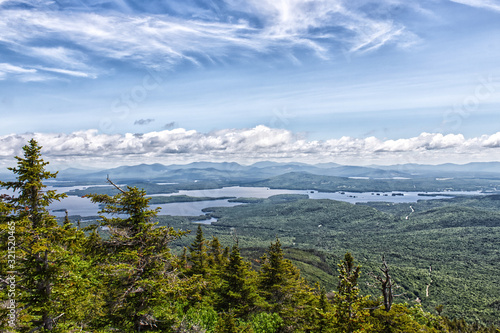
point(279, 280)
point(324, 320)
point(198, 254)
point(349, 304)
point(280, 284)
point(43, 256)
point(216, 258)
point(136, 261)
point(238, 291)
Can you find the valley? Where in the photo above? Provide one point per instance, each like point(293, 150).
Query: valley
point(440, 237)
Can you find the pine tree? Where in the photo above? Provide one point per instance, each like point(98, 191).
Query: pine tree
point(4, 206)
point(324, 315)
point(136, 261)
point(279, 280)
point(227, 324)
point(43, 257)
point(284, 290)
point(198, 254)
point(349, 309)
point(216, 258)
point(238, 290)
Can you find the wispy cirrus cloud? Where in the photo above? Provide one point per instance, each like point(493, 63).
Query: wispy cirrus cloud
point(258, 143)
point(20, 73)
point(486, 4)
point(26, 74)
point(59, 55)
point(54, 32)
point(8, 68)
point(67, 72)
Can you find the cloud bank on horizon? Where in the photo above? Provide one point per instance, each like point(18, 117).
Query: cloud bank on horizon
point(246, 145)
point(364, 81)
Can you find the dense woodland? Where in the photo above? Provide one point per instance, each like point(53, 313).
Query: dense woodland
point(129, 273)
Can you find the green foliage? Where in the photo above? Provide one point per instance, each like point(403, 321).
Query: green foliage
point(463, 255)
point(128, 278)
point(280, 284)
point(267, 322)
point(350, 308)
point(307, 181)
point(199, 318)
point(138, 269)
point(228, 324)
point(238, 290)
point(401, 318)
point(198, 254)
point(49, 266)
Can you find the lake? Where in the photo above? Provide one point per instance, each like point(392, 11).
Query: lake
point(84, 207)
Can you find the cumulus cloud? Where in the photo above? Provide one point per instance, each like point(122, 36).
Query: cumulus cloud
point(256, 143)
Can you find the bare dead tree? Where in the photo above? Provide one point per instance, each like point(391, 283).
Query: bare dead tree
point(387, 286)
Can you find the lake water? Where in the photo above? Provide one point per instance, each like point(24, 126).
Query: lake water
point(84, 207)
point(352, 197)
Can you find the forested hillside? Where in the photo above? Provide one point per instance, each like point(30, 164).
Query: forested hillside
point(436, 254)
point(129, 273)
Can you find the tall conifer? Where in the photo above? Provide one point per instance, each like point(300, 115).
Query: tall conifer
point(43, 256)
point(238, 291)
point(198, 254)
point(136, 262)
point(350, 312)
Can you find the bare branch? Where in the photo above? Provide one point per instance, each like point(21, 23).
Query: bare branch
point(116, 186)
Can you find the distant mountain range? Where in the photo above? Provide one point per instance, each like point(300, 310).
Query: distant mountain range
point(211, 171)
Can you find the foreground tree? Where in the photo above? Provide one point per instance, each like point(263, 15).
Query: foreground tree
point(238, 291)
point(138, 269)
point(350, 312)
point(285, 292)
point(198, 254)
point(386, 285)
point(43, 256)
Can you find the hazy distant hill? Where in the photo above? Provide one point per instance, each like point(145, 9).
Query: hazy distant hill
point(231, 171)
point(476, 169)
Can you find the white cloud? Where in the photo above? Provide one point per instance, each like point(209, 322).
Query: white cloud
point(487, 4)
point(160, 40)
point(60, 56)
point(8, 71)
point(8, 68)
point(251, 144)
point(67, 72)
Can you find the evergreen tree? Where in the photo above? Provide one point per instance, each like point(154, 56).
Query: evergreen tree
point(238, 290)
point(216, 262)
point(278, 278)
point(349, 304)
point(228, 324)
point(324, 316)
point(4, 206)
point(198, 254)
point(216, 258)
point(43, 257)
point(136, 262)
point(282, 287)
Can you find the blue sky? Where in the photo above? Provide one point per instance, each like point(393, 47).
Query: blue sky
point(358, 82)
